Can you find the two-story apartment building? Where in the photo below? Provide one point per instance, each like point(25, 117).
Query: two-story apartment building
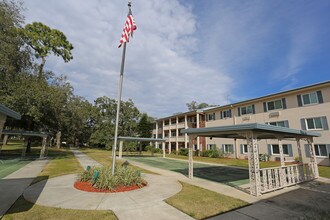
point(305, 108)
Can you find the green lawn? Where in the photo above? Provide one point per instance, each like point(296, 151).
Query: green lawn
point(324, 171)
point(201, 203)
point(24, 210)
point(104, 157)
point(63, 162)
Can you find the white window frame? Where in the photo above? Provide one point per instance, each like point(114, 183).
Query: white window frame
point(223, 113)
point(247, 149)
point(277, 123)
point(274, 105)
point(317, 146)
point(226, 150)
point(309, 96)
point(212, 118)
point(283, 145)
point(314, 129)
point(247, 107)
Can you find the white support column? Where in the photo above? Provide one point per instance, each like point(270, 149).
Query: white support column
point(43, 147)
point(280, 146)
point(254, 168)
point(156, 143)
point(177, 135)
point(5, 139)
point(24, 147)
point(169, 137)
point(163, 143)
point(190, 154)
point(283, 180)
point(313, 157)
point(120, 154)
point(197, 126)
point(185, 135)
point(301, 169)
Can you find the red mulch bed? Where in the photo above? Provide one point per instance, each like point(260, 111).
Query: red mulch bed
point(88, 187)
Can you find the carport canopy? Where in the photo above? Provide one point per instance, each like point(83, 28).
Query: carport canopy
point(42, 135)
point(253, 132)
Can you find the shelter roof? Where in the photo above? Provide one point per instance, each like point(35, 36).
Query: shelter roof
point(25, 133)
point(9, 112)
point(262, 131)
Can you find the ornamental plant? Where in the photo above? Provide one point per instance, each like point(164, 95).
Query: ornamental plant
point(124, 176)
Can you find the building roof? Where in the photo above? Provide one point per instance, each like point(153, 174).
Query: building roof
point(270, 95)
point(9, 112)
point(25, 133)
point(141, 139)
point(263, 131)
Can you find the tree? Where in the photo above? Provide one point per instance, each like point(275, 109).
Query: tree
point(192, 106)
point(15, 58)
point(44, 40)
point(145, 126)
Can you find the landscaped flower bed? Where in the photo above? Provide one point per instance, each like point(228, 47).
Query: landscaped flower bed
point(100, 179)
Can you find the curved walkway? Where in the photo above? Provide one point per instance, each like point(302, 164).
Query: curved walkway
point(144, 203)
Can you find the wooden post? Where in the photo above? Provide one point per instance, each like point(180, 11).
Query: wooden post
point(163, 147)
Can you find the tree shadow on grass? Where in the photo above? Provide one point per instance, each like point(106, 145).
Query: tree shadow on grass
point(11, 191)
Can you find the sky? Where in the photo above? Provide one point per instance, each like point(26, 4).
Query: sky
point(213, 51)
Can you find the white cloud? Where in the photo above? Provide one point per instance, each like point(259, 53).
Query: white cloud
point(160, 74)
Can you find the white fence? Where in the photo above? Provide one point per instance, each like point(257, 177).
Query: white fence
point(279, 177)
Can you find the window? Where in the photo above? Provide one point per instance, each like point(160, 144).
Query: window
point(280, 123)
point(276, 149)
point(310, 98)
point(245, 148)
point(211, 116)
point(277, 104)
point(227, 148)
point(314, 123)
point(173, 133)
point(226, 114)
point(320, 150)
point(211, 146)
point(246, 110)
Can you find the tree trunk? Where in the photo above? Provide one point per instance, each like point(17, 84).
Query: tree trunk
point(28, 146)
point(41, 67)
point(58, 140)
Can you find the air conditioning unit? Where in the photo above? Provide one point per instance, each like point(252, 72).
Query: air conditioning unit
point(274, 114)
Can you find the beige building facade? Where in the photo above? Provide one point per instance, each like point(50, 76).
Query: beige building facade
point(306, 108)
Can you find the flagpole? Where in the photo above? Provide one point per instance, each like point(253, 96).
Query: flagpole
point(118, 102)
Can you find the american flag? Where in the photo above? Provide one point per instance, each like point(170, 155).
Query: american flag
point(129, 27)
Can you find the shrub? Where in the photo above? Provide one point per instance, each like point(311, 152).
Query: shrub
point(174, 152)
point(157, 150)
point(124, 176)
point(196, 153)
point(184, 151)
point(211, 153)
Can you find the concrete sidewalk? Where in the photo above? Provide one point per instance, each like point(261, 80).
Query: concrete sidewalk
point(145, 203)
point(13, 185)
